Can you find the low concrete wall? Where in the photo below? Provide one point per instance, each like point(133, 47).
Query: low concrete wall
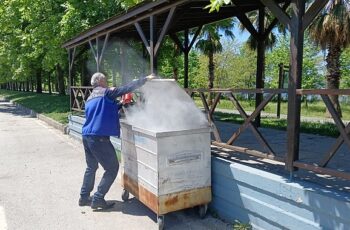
point(268, 201)
point(75, 128)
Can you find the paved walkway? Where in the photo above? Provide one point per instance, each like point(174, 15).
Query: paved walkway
point(40, 176)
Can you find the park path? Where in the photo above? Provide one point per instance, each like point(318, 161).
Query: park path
point(40, 176)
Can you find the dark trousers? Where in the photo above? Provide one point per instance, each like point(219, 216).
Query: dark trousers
point(99, 149)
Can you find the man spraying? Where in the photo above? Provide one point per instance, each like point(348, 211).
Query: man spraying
point(102, 122)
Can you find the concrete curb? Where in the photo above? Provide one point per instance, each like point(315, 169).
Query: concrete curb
point(47, 120)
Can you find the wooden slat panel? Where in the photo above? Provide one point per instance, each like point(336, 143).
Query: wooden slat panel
point(328, 156)
point(336, 118)
point(256, 132)
point(210, 118)
point(248, 151)
point(323, 91)
point(82, 87)
point(321, 170)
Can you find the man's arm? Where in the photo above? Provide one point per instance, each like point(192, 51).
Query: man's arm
point(115, 92)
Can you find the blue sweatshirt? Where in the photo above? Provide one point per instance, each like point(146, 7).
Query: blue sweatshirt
point(101, 110)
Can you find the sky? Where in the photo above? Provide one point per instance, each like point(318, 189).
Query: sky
point(240, 37)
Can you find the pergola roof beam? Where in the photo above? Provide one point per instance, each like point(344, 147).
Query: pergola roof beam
point(282, 16)
point(312, 11)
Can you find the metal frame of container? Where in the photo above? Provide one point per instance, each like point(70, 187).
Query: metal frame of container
point(167, 171)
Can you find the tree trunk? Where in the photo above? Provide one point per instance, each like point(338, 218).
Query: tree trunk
point(85, 79)
point(56, 86)
point(211, 67)
point(31, 84)
point(60, 80)
point(175, 73)
point(39, 87)
point(49, 82)
point(175, 65)
point(333, 74)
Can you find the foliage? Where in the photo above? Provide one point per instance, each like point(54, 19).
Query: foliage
point(33, 31)
point(312, 64)
point(345, 68)
point(332, 25)
point(209, 43)
point(331, 31)
point(241, 226)
point(235, 66)
point(216, 4)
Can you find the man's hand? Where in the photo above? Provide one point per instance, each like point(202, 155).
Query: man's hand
point(150, 77)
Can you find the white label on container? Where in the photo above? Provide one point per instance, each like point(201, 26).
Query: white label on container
point(140, 140)
point(184, 158)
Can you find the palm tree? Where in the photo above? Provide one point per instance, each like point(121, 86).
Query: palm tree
point(209, 43)
point(331, 31)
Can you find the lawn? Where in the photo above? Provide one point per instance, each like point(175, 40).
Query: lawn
point(324, 129)
point(53, 106)
point(313, 109)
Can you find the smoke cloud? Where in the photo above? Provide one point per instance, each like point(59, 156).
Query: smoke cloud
point(165, 107)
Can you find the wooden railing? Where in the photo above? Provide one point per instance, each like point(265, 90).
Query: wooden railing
point(320, 166)
point(269, 153)
point(248, 119)
point(78, 97)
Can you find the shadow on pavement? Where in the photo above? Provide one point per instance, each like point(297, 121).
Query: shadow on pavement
point(131, 207)
point(7, 107)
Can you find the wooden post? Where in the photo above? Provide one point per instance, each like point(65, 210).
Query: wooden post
point(71, 55)
point(294, 100)
point(122, 64)
point(186, 48)
point(153, 40)
point(186, 52)
point(260, 64)
point(280, 86)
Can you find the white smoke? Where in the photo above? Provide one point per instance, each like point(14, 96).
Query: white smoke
point(165, 107)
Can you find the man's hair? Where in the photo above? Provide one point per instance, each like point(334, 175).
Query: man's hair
point(96, 78)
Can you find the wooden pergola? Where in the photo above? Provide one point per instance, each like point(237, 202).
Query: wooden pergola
point(151, 21)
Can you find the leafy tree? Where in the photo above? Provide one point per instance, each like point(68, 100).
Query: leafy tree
point(234, 67)
point(331, 31)
point(312, 63)
point(33, 31)
point(209, 43)
point(345, 68)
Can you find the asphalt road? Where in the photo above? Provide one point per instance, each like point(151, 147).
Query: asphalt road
point(41, 171)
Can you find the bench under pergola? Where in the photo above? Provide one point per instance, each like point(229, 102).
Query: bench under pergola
point(151, 21)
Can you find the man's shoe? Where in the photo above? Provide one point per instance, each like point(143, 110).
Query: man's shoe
point(85, 201)
point(101, 204)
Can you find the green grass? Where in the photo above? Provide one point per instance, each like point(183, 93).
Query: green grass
point(324, 129)
point(314, 109)
point(241, 226)
point(53, 106)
